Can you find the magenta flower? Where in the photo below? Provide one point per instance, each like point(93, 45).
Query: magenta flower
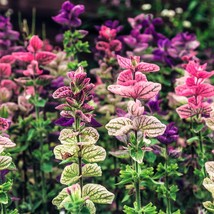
point(4, 124)
point(69, 15)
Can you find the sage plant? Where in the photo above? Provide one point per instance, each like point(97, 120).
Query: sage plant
point(78, 149)
point(136, 128)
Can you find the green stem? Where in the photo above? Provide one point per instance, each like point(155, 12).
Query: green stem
point(202, 152)
point(137, 183)
point(3, 209)
point(168, 200)
point(77, 126)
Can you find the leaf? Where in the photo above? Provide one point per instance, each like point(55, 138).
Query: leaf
point(45, 57)
point(137, 155)
point(139, 90)
point(70, 174)
point(192, 140)
point(147, 67)
point(123, 62)
point(124, 154)
point(63, 152)
point(93, 153)
point(119, 126)
point(68, 136)
point(62, 92)
point(209, 206)
point(89, 136)
point(3, 198)
point(210, 122)
point(91, 207)
point(97, 194)
point(149, 125)
point(89, 170)
point(209, 185)
point(209, 165)
point(57, 201)
point(5, 162)
point(5, 142)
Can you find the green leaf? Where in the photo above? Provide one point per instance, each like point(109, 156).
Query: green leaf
point(91, 207)
point(209, 206)
point(137, 155)
point(70, 174)
point(192, 140)
point(97, 194)
point(5, 162)
point(93, 153)
point(47, 167)
point(3, 198)
point(119, 126)
point(173, 190)
point(89, 170)
point(6, 186)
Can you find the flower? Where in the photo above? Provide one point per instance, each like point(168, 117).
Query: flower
point(69, 15)
point(170, 135)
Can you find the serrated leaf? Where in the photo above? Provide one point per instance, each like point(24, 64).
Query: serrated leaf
point(63, 152)
point(89, 170)
point(68, 136)
point(209, 206)
point(70, 174)
point(5, 162)
point(91, 207)
point(119, 126)
point(93, 153)
point(97, 194)
point(149, 125)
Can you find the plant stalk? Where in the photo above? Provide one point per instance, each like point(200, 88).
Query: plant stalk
point(202, 152)
point(168, 201)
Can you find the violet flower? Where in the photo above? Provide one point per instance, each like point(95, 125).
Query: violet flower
point(170, 135)
point(69, 15)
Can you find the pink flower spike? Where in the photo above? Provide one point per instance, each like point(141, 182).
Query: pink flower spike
point(4, 124)
point(35, 44)
point(32, 69)
point(5, 70)
point(44, 57)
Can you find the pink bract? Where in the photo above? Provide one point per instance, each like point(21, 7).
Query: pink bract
point(5, 70)
point(4, 124)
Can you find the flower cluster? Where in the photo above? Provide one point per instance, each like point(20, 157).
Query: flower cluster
point(170, 51)
point(7, 36)
point(197, 90)
point(69, 15)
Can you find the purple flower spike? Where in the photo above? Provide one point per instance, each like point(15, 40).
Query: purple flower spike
point(69, 15)
point(170, 135)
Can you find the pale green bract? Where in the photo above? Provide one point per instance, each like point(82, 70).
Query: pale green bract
point(97, 194)
point(90, 170)
point(209, 206)
point(61, 151)
point(93, 153)
point(149, 125)
point(70, 174)
point(5, 162)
